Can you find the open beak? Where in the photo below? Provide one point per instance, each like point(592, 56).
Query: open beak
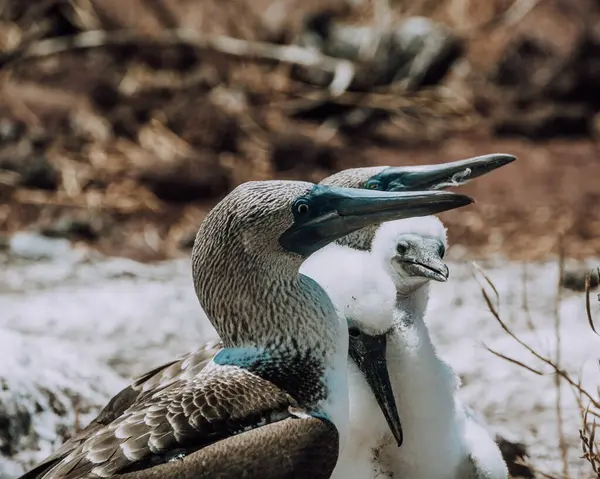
point(435, 177)
point(368, 352)
point(337, 211)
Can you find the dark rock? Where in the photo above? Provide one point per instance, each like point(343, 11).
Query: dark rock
point(187, 239)
point(521, 61)
point(417, 50)
point(574, 279)
point(15, 422)
point(35, 171)
point(349, 120)
point(542, 121)
point(11, 130)
point(24, 153)
point(548, 82)
point(84, 227)
point(429, 50)
point(298, 151)
point(512, 453)
point(39, 173)
point(187, 178)
point(105, 96)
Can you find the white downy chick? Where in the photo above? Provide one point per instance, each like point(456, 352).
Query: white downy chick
point(442, 440)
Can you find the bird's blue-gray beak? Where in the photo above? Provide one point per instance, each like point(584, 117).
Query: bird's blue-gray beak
point(368, 352)
point(436, 177)
point(327, 213)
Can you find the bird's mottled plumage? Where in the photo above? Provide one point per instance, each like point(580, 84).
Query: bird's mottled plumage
point(178, 410)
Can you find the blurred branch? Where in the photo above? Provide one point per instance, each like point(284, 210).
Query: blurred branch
point(562, 442)
point(342, 70)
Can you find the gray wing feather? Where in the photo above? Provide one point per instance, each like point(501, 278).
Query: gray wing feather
point(293, 448)
point(179, 417)
point(184, 368)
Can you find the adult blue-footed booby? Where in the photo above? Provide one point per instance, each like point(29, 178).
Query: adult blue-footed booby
point(384, 295)
point(272, 403)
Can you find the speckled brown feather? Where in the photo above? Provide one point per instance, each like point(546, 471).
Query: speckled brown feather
point(184, 368)
point(183, 416)
point(185, 406)
point(290, 449)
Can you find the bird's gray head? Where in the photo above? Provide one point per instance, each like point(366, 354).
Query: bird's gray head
point(250, 247)
point(411, 178)
point(412, 251)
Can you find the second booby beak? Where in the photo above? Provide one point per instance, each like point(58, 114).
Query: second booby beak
point(435, 177)
point(327, 213)
point(368, 352)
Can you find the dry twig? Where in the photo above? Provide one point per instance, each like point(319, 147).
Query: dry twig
point(562, 442)
point(342, 70)
point(588, 307)
point(587, 432)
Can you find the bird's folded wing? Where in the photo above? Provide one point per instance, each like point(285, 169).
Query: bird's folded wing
point(173, 422)
point(184, 368)
point(300, 448)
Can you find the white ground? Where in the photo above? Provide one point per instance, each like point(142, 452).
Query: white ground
point(72, 330)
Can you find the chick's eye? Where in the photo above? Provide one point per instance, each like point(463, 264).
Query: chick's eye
point(302, 208)
point(442, 251)
point(401, 248)
point(354, 332)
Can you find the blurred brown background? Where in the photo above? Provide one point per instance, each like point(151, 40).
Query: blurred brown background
point(123, 122)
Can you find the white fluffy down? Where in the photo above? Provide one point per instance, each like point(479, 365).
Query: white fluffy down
point(354, 284)
point(441, 441)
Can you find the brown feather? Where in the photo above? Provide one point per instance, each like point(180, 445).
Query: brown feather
point(184, 418)
point(290, 449)
point(185, 367)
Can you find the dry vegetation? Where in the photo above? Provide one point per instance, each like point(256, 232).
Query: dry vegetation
point(587, 395)
point(122, 122)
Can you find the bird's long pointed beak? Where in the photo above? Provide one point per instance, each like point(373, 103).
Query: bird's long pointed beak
point(444, 175)
point(335, 212)
point(368, 352)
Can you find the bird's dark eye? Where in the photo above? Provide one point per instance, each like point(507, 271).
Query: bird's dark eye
point(402, 247)
point(302, 208)
point(373, 185)
point(442, 250)
point(354, 332)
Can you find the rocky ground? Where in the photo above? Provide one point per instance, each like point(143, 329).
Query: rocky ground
point(76, 327)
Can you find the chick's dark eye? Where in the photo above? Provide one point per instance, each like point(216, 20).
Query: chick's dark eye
point(302, 208)
point(442, 251)
point(401, 248)
point(354, 332)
